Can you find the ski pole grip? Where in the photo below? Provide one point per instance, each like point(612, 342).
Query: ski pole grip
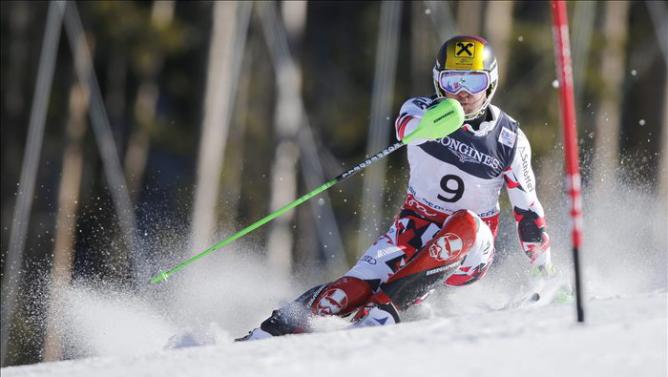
point(439, 120)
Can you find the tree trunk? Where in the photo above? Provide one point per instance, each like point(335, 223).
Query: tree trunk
point(287, 120)
point(423, 50)
point(658, 13)
point(468, 16)
point(68, 204)
point(583, 25)
point(231, 196)
point(608, 118)
point(106, 144)
point(145, 106)
point(306, 251)
point(498, 30)
point(441, 19)
point(663, 151)
point(373, 188)
point(117, 72)
point(221, 82)
point(19, 21)
point(331, 250)
point(29, 165)
point(240, 105)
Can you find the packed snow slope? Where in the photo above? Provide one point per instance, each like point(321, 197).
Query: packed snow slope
point(622, 336)
point(116, 331)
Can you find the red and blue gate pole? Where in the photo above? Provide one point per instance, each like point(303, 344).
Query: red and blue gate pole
point(562, 51)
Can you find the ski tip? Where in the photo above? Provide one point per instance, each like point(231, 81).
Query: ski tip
point(159, 278)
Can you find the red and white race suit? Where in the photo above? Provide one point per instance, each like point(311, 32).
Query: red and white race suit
point(465, 170)
point(445, 230)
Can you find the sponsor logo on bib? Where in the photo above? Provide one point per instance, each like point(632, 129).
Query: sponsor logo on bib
point(468, 154)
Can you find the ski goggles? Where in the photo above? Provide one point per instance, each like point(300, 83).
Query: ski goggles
point(473, 82)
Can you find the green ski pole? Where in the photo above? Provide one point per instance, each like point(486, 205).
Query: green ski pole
point(163, 275)
point(446, 118)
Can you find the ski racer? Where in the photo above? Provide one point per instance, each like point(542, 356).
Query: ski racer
point(444, 232)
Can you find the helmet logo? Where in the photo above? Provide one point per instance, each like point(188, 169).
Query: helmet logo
point(465, 55)
point(464, 49)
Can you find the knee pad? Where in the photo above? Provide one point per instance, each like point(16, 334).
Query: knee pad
point(341, 297)
point(456, 237)
point(447, 247)
point(477, 261)
point(440, 257)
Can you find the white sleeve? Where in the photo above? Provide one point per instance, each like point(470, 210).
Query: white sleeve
point(520, 179)
point(409, 117)
point(529, 213)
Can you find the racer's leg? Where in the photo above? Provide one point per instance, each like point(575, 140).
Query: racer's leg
point(386, 256)
point(389, 254)
point(477, 262)
point(437, 260)
point(463, 248)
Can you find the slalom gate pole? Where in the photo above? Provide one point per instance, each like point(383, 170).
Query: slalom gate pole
point(163, 275)
point(562, 53)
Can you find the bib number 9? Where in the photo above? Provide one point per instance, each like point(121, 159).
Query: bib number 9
point(453, 186)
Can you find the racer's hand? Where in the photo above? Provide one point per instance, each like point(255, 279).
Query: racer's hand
point(439, 120)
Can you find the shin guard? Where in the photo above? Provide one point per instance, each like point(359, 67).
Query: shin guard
point(435, 261)
point(342, 297)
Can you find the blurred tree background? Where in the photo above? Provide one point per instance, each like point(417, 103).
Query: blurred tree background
point(151, 60)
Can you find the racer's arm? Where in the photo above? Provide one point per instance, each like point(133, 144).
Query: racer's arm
point(422, 119)
point(409, 117)
point(529, 213)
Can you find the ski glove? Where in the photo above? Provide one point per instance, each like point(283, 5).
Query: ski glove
point(439, 120)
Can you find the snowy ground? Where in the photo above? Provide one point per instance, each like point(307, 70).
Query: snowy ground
point(109, 331)
point(623, 336)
